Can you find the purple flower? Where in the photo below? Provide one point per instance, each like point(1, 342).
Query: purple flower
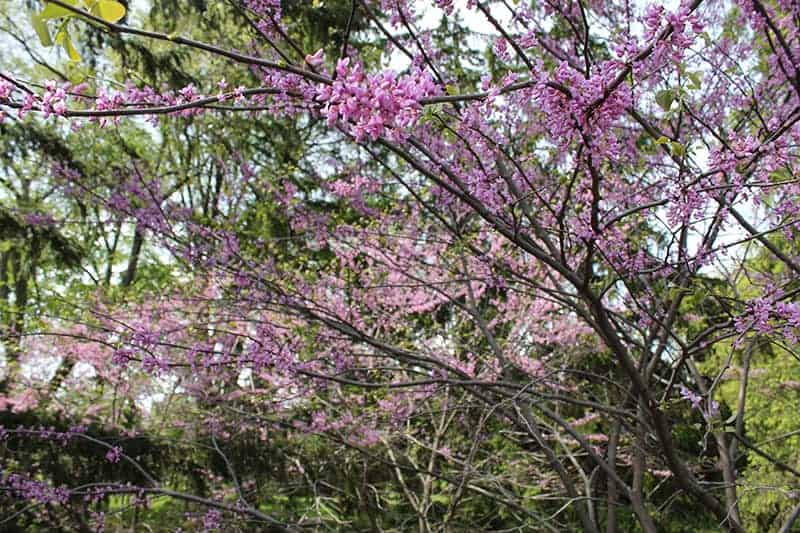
point(114, 454)
point(692, 397)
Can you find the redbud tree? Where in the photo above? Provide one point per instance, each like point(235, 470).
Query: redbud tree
point(531, 261)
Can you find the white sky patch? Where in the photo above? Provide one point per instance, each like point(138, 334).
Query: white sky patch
point(431, 16)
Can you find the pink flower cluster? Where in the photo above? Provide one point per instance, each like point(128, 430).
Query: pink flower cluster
point(445, 5)
point(265, 7)
point(768, 314)
point(20, 402)
point(398, 11)
point(353, 189)
point(38, 491)
point(114, 454)
point(357, 431)
point(681, 21)
point(54, 99)
point(697, 402)
point(40, 220)
point(212, 520)
point(44, 433)
point(587, 107)
point(6, 88)
point(376, 104)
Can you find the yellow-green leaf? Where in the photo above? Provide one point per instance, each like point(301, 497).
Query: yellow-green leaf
point(61, 33)
point(41, 30)
point(63, 38)
point(677, 148)
point(696, 79)
point(71, 51)
point(54, 11)
point(108, 10)
point(665, 98)
point(76, 73)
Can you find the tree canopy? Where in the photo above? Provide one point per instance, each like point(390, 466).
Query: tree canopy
point(396, 265)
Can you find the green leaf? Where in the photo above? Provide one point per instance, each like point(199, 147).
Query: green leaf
point(441, 499)
point(54, 11)
point(665, 98)
point(72, 52)
point(41, 30)
point(677, 148)
point(76, 73)
point(696, 80)
point(63, 38)
point(61, 33)
point(108, 10)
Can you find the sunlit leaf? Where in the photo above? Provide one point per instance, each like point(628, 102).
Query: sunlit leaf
point(665, 98)
point(63, 38)
point(72, 52)
point(109, 10)
point(41, 30)
point(53, 11)
point(696, 79)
